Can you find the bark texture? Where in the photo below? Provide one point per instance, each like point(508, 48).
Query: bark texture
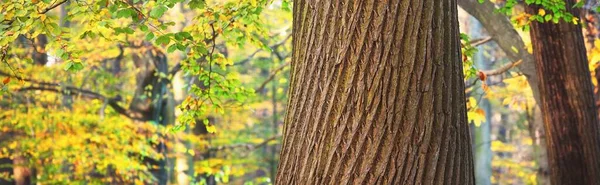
point(377, 95)
point(568, 107)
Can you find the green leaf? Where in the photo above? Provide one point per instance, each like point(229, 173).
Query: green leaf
point(186, 35)
point(143, 27)
point(172, 48)
point(285, 5)
point(60, 53)
point(578, 4)
point(123, 13)
point(198, 4)
point(158, 11)
point(178, 37)
point(163, 40)
point(73, 66)
point(149, 36)
point(128, 30)
point(77, 66)
point(548, 17)
point(68, 66)
point(181, 47)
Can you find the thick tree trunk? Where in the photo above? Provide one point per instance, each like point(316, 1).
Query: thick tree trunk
point(377, 95)
point(568, 107)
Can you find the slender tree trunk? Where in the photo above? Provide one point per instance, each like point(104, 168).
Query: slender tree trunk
point(482, 138)
point(377, 95)
point(568, 106)
point(274, 129)
point(540, 152)
point(67, 99)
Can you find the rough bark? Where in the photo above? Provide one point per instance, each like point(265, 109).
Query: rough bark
point(503, 33)
point(567, 101)
point(377, 95)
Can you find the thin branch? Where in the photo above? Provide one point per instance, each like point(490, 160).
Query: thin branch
point(271, 77)
point(47, 9)
point(471, 84)
point(477, 42)
point(502, 69)
point(210, 56)
point(70, 90)
point(2, 73)
point(247, 146)
point(273, 48)
point(52, 7)
point(177, 67)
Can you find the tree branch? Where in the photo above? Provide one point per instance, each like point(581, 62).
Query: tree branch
point(70, 90)
point(47, 9)
point(273, 47)
point(477, 42)
point(502, 69)
point(271, 77)
point(2, 73)
point(247, 146)
point(52, 7)
point(177, 67)
point(113, 102)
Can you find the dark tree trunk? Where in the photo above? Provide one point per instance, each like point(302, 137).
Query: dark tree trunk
point(377, 95)
point(568, 106)
point(39, 55)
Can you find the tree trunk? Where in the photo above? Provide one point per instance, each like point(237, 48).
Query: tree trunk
point(377, 95)
point(482, 134)
point(568, 107)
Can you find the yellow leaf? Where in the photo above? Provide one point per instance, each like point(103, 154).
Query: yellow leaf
point(506, 101)
point(541, 12)
point(211, 129)
point(477, 117)
point(528, 141)
point(472, 102)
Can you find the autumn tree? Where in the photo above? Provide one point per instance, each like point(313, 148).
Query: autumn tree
point(377, 95)
point(567, 100)
point(115, 63)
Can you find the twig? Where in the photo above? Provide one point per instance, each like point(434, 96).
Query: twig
point(54, 87)
point(502, 69)
point(249, 147)
point(273, 47)
point(271, 77)
point(477, 42)
point(210, 56)
point(52, 7)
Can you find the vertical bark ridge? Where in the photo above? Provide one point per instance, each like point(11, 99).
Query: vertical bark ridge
point(321, 27)
point(330, 75)
point(376, 95)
